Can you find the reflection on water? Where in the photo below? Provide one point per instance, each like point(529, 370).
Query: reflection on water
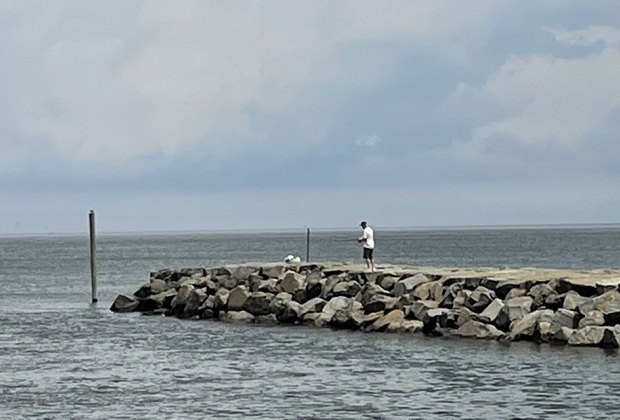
point(59, 356)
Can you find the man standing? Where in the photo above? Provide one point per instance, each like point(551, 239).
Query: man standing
point(368, 242)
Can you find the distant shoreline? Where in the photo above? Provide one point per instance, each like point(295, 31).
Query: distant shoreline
point(241, 231)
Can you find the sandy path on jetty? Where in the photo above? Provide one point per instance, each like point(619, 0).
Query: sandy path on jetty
point(607, 277)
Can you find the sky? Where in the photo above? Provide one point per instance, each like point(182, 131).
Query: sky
point(199, 115)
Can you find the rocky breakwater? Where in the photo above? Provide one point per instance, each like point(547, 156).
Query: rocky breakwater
point(579, 308)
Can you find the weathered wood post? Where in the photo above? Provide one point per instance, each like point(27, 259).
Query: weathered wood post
point(307, 244)
point(93, 256)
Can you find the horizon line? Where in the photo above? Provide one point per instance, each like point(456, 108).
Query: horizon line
point(323, 229)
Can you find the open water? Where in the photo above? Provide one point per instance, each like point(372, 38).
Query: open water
point(61, 357)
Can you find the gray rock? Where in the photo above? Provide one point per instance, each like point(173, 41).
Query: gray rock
point(228, 282)
point(193, 302)
point(595, 336)
point(592, 318)
point(313, 305)
point(242, 273)
point(539, 293)
point(267, 286)
point(405, 326)
point(272, 270)
point(291, 282)
point(237, 317)
point(479, 299)
point(314, 288)
point(237, 298)
point(350, 317)
point(560, 334)
point(177, 306)
point(516, 292)
point(406, 285)
point(608, 304)
point(428, 291)
point(382, 323)
point(388, 282)
point(517, 308)
point(572, 300)
point(348, 288)
point(159, 301)
point(461, 298)
point(419, 309)
point(153, 287)
point(379, 303)
point(478, 330)
point(221, 298)
point(258, 303)
point(448, 294)
point(565, 318)
point(492, 311)
point(279, 302)
point(290, 314)
point(335, 304)
point(125, 303)
point(527, 327)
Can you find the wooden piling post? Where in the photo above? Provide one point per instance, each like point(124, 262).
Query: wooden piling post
point(307, 244)
point(93, 256)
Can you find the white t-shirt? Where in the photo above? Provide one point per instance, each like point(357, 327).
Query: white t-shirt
point(369, 235)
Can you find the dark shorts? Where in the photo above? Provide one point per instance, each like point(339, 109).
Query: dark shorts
point(368, 253)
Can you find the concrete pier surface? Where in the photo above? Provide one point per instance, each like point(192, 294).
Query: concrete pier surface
point(575, 307)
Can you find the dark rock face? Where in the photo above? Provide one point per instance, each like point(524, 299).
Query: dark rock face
point(556, 310)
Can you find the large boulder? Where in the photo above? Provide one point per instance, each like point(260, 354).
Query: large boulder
point(313, 305)
point(347, 288)
point(572, 300)
point(394, 316)
point(539, 293)
point(479, 299)
point(160, 300)
point(428, 291)
point(419, 310)
point(237, 298)
point(528, 327)
point(515, 292)
point(517, 308)
point(314, 288)
point(351, 317)
point(565, 318)
point(258, 303)
point(608, 337)
point(242, 273)
point(153, 287)
point(177, 306)
point(461, 298)
point(379, 303)
point(405, 326)
point(273, 271)
point(221, 299)
point(291, 282)
point(193, 302)
point(125, 303)
point(388, 282)
point(406, 285)
point(492, 311)
point(267, 286)
point(607, 303)
point(237, 317)
point(592, 318)
point(478, 330)
point(334, 305)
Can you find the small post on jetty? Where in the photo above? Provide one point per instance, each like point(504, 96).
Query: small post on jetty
point(307, 244)
point(93, 257)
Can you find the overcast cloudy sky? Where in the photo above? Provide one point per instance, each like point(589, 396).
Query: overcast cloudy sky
point(193, 115)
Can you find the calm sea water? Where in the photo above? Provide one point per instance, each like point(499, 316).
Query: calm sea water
point(62, 357)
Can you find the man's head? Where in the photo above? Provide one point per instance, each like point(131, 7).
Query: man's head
point(363, 224)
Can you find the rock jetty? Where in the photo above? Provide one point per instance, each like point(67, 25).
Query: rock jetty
point(580, 308)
